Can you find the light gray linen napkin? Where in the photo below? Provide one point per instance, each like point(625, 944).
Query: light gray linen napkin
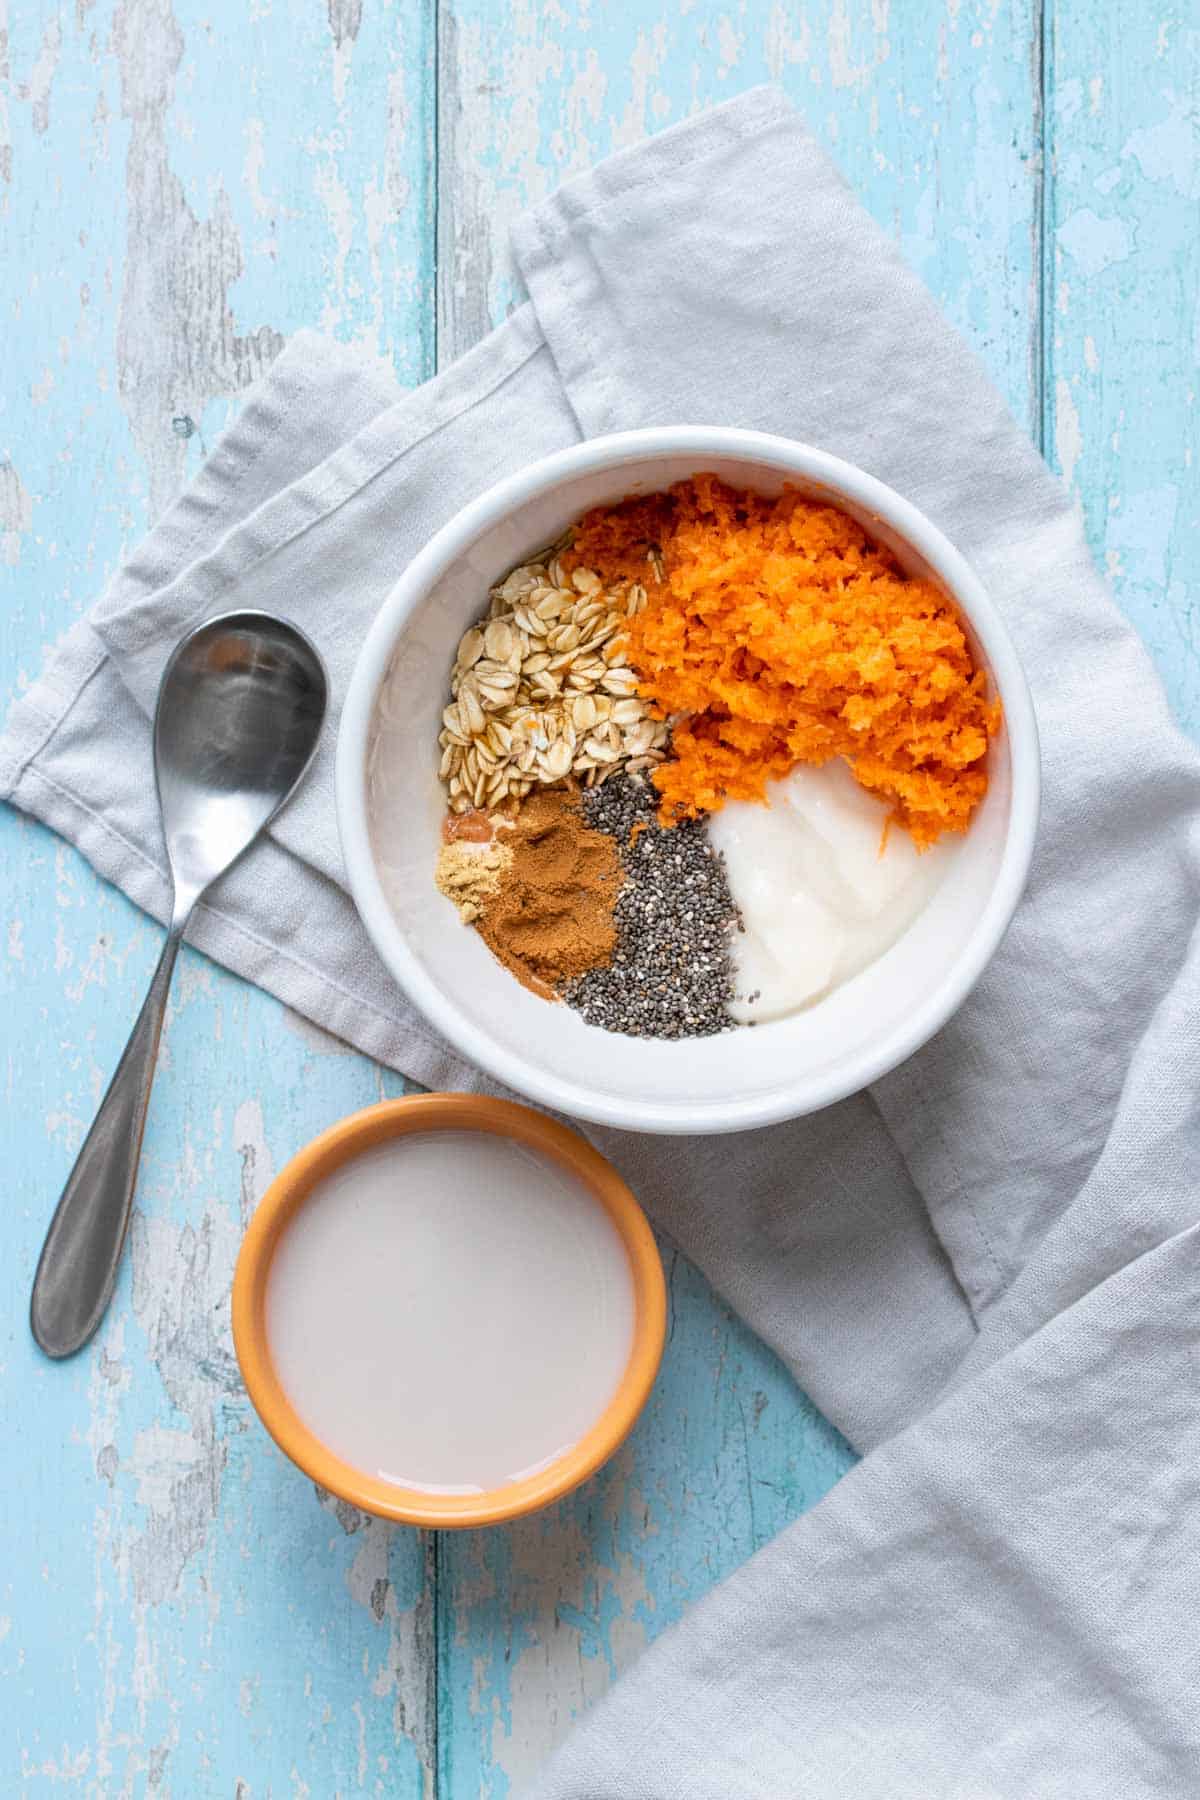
point(984, 1270)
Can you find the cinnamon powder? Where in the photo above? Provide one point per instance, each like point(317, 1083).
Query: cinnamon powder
point(552, 917)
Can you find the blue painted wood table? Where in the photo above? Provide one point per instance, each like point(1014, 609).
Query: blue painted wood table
point(181, 186)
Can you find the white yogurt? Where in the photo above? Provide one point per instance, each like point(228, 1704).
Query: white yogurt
point(450, 1311)
point(818, 897)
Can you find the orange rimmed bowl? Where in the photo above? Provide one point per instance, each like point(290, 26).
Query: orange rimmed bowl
point(349, 1138)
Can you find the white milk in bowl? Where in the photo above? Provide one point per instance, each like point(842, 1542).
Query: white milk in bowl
point(450, 1311)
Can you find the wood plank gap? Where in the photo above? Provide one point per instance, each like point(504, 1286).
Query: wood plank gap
point(431, 1546)
point(432, 1539)
point(445, 258)
point(443, 1669)
point(435, 177)
point(1042, 259)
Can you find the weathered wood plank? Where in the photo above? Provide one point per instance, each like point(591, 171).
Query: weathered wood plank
point(933, 113)
point(1123, 275)
point(935, 119)
point(177, 193)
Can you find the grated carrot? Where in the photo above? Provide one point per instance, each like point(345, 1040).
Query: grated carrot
point(784, 635)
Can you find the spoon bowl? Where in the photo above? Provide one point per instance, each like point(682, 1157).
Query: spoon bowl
point(239, 715)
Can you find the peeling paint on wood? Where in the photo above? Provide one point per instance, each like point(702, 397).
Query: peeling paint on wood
point(190, 1618)
point(176, 343)
point(16, 513)
point(1123, 320)
point(345, 18)
point(36, 91)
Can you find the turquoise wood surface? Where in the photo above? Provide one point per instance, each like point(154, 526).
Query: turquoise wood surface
point(181, 186)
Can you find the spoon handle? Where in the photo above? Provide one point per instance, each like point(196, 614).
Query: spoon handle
point(82, 1252)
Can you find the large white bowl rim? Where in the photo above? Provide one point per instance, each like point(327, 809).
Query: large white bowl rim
point(795, 1094)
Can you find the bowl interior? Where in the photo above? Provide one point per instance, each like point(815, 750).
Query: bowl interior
point(819, 1054)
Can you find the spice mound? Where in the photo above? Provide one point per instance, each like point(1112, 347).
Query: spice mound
point(786, 636)
point(471, 860)
point(551, 916)
point(670, 975)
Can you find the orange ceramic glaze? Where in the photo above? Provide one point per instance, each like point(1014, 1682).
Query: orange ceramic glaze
point(364, 1131)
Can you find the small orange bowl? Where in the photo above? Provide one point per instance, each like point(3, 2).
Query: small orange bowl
point(363, 1131)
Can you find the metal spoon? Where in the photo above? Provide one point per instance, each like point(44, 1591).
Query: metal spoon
point(239, 712)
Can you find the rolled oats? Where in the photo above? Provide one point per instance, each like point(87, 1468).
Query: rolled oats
point(541, 689)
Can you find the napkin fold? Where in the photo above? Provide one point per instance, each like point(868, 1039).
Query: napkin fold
point(984, 1269)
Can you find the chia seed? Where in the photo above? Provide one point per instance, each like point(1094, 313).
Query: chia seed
point(671, 974)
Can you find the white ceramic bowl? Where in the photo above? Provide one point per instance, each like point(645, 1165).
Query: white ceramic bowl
point(390, 810)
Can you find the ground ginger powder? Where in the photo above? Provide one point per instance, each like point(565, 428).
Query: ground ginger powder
point(469, 874)
point(551, 917)
point(786, 636)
